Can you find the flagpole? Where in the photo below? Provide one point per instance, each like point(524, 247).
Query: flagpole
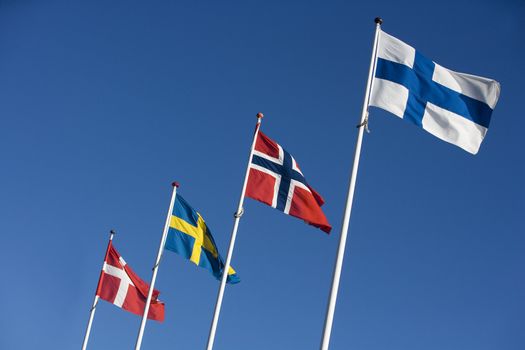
point(349, 199)
point(156, 266)
point(95, 301)
point(237, 216)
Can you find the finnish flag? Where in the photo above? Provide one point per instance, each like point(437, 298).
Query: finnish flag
point(455, 107)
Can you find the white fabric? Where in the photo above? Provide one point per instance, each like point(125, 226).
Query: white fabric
point(453, 128)
point(393, 49)
point(295, 166)
point(479, 88)
point(389, 96)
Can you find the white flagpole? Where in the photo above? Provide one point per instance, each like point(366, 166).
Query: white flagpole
point(95, 302)
point(237, 215)
point(156, 266)
point(349, 199)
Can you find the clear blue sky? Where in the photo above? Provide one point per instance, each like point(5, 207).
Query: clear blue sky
point(103, 104)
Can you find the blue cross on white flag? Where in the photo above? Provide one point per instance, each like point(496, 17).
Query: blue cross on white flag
point(455, 107)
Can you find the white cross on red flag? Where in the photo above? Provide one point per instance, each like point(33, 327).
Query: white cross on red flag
point(119, 285)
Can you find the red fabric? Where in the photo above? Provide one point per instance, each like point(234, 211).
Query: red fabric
point(305, 205)
point(266, 145)
point(317, 196)
point(108, 287)
point(135, 299)
point(260, 186)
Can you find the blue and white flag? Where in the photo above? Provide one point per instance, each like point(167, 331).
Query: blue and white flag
point(455, 107)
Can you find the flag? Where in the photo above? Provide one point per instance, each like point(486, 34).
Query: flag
point(275, 179)
point(119, 285)
point(190, 237)
point(455, 107)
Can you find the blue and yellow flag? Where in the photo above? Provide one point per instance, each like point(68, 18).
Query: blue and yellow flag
point(190, 237)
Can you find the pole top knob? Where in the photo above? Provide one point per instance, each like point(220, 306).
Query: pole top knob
point(112, 232)
point(175, 184)
point(260, 115)
point(378, 20)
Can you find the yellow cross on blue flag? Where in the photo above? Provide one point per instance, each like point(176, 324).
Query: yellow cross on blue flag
point(190, 237)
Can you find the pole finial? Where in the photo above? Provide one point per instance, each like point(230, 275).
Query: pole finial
point(175, 184)
point(112, 232)
point(378, 20)
point(260, 115)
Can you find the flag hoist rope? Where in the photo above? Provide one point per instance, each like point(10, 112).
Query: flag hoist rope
point(349, 199)
point(156, 266)
point(237, 216)
point(95, 301)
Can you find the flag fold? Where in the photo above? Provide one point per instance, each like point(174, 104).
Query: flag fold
point(455, 107)
point(119, 285)
point(276, 179)
point(190, 237)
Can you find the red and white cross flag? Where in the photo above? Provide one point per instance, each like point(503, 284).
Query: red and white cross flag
point(120, 286)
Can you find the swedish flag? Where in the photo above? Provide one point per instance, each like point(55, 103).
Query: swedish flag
point(189, 236)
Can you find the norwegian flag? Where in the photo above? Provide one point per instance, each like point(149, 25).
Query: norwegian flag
point(119, 285)
point(275, 179)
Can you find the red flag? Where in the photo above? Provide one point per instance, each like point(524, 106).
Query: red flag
point(119, 285)
point(275, 179)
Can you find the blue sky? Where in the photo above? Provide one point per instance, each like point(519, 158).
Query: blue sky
point(104, 104)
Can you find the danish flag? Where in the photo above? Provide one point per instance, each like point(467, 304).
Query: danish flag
point(275, 179)
point(119, 285)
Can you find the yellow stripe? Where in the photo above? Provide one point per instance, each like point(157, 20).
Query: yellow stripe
point(198, 233)
point(183, 226)
point(196, 254)
point(206, 241)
